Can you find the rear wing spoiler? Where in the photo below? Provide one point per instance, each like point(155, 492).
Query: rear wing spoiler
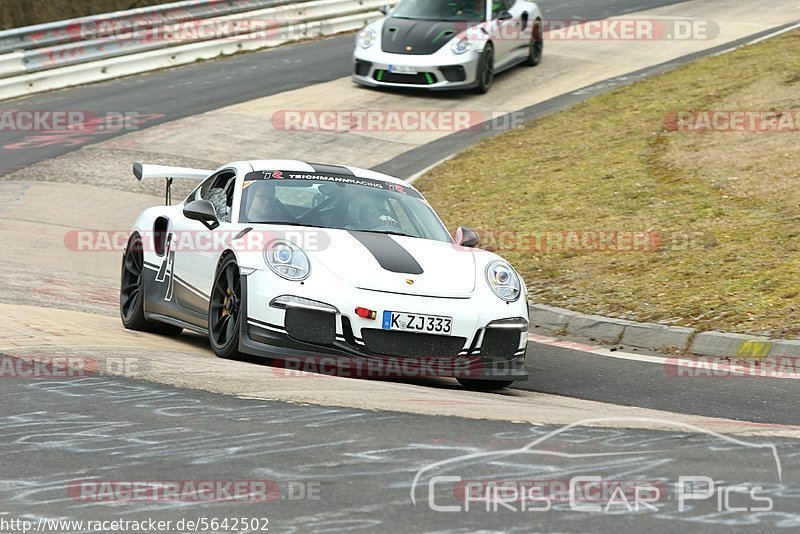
point(146, 171)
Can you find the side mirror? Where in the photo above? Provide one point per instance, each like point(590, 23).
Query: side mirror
point(203, 211)
point(385, 9)
point(467, 237)
point(505, 15)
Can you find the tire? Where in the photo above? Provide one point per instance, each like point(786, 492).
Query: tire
point(131, 293)
point(485, 70)
point(473, 384)
point(224, 310)
point(536, 48)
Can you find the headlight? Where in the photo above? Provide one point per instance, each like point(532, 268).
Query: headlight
point(366, 38)
point(287, 260)
point(461, 46)
point(503, 280)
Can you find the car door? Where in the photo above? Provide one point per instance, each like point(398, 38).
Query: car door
point(507, 31)
point(194, 246)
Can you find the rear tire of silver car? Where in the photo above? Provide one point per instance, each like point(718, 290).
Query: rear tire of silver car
point(537, 45)
point(473, 384)
point(131, 293)
point(486, 70)
point(224, 310)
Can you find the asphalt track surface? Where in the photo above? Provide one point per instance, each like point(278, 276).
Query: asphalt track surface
point(360, 463)
point(657, 386)
point(338, 469)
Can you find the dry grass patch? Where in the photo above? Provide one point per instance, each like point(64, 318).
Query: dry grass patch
point(610, 164)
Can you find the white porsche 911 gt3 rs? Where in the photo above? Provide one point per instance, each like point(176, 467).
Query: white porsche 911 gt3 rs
point(297, 261)
point(448, 44)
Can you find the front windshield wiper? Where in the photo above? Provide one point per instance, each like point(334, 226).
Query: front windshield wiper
point(284, 223)
point(433, 19)
point(389, 232)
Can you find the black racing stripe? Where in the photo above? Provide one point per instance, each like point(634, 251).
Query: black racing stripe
point(389, 253)
point(322, 168)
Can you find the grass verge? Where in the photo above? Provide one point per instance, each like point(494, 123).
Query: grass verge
point(724, 206)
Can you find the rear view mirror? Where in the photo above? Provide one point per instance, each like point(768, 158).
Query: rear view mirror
point(203, 211)
point(467, 237)
point(384, 9)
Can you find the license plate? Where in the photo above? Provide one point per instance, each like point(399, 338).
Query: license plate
point(417, 322)
point(402, 69)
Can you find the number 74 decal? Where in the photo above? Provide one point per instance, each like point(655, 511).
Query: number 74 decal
point(165, 273)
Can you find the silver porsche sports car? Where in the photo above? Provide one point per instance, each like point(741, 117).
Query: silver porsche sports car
point(448, 44)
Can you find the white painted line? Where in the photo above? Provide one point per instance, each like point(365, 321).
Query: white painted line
point(759, 40)
point(775, 34)
point(414, 177)
point(620, 355)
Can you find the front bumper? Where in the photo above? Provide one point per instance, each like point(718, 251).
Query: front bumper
point(440, 71)
point(482, 345)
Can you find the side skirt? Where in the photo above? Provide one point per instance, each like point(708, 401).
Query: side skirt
point(157, 317)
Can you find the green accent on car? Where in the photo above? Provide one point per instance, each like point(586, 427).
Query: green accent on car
point(442, 34)
point(429, 77)
point(380, 75)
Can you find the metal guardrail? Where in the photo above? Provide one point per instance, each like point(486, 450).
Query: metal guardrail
point(12, 64)
point(263, 24)
point(131, 32)
point(65, 31)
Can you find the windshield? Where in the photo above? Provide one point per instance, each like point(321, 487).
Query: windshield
point(341, 202)
point(441, 10)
